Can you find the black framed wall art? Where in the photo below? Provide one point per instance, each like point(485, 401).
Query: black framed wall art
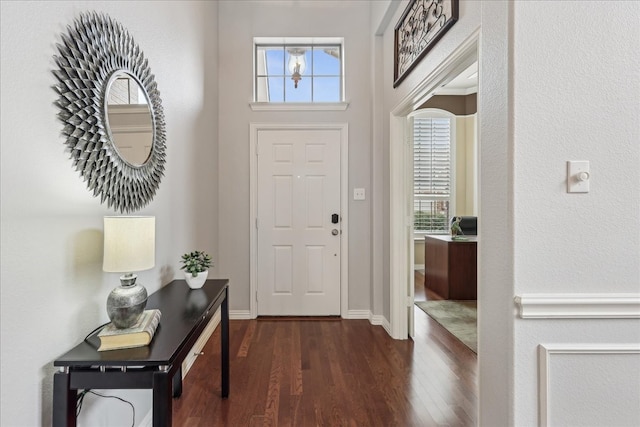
point(422, 24)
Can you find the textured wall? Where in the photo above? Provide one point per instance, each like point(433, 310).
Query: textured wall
point(576, 96)
point(240, 22)
point(468, 22)
point(52, 284)
point(551, 90)
point(536, 237)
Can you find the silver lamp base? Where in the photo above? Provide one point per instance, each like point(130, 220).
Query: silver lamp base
point(126, 303)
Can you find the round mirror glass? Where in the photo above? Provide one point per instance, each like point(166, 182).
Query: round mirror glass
point(129, 118)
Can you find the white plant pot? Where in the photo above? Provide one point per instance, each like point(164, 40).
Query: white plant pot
point(198, 281)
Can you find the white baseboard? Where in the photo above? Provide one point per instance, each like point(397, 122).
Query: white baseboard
point(578, 306)
point(386, 325)
point(418, 266)
point(377, 319)
point(374, 319)
point(358, 314)
point(239, 314)
point(351, 314)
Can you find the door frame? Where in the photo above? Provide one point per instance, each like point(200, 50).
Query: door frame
point(400, 218)
point(254, 129)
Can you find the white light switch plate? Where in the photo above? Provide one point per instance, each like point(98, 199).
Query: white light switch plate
point(358, 194)
point(578, 176)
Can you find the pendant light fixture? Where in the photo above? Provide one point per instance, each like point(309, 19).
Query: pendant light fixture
point(297, 64)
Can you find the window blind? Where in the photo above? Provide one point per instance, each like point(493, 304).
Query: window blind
point(431, 174)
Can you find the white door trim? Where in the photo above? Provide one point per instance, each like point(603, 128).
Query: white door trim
point(399, 218)
point(254, 128)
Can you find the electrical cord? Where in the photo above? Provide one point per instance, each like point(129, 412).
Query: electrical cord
point(79, 401)
point(82, 394)
point(92, 332)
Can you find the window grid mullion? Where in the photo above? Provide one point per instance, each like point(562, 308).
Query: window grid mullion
point(336, 82)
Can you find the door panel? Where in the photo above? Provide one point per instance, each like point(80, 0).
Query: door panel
point(298, 190)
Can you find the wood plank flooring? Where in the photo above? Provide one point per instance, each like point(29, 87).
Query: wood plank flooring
point(421, 293)
point(332, 373)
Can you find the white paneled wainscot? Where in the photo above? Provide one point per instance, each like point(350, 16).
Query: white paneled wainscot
point(586, 383)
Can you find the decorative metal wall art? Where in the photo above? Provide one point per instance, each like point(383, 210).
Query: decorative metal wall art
point(92, 51)
point(422, 24)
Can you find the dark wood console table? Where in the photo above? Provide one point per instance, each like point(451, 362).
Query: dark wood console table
point(158, 366)
point(451, 266)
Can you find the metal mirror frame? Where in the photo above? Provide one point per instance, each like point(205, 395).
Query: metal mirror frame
point(93, 49)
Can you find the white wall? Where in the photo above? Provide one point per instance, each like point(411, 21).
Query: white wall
point(466, 165)
point(468, 22)
point(576, 96)
point(53, 290)
point(240, 21)
point(381, 14)
point(539, 61)
point(550, 88)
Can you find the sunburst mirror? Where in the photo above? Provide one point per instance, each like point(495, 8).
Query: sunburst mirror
point(111, 110)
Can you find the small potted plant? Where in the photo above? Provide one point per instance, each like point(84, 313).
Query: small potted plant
point(196, 268)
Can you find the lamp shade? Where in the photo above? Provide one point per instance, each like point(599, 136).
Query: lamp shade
point(129, 243)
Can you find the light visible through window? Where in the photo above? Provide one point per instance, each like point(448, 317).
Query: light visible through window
point(432, 174)
point(307, 73)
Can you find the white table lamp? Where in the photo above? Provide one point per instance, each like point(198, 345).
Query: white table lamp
point(129, 246)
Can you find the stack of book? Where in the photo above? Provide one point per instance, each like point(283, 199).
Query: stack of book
point(140, 334)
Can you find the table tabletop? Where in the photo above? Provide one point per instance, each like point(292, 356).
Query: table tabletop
point(448, 238)
point(184, 311)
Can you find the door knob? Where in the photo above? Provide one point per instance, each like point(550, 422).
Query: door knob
point(335, 232)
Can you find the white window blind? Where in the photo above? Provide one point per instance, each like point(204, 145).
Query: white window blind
point(432, 174)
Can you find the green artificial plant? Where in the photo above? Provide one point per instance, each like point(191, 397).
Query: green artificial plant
point(196, 262)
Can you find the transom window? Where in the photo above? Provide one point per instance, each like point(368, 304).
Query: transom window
point(298, 72)
point(432, 174)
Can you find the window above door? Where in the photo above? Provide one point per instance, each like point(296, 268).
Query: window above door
point(298, 73)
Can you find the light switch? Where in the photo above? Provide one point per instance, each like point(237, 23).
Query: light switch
point(358, 194)
point(578, 176)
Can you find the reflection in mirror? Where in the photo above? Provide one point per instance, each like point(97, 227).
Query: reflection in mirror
point(129, 119)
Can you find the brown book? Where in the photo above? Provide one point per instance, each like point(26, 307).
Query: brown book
point(140, 334)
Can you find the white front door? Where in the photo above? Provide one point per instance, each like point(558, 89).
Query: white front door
point(298, 194)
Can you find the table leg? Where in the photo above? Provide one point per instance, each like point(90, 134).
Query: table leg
point(224, 342)
point(162, 403)
point(177, 383)
point(64, 401)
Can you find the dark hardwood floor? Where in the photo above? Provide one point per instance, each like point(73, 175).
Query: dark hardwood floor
point(421, 293)
point(332, 373)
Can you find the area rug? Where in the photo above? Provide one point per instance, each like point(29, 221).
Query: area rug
point(458, 317)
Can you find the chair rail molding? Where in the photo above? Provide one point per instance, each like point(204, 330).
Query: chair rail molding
point(579, 306)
